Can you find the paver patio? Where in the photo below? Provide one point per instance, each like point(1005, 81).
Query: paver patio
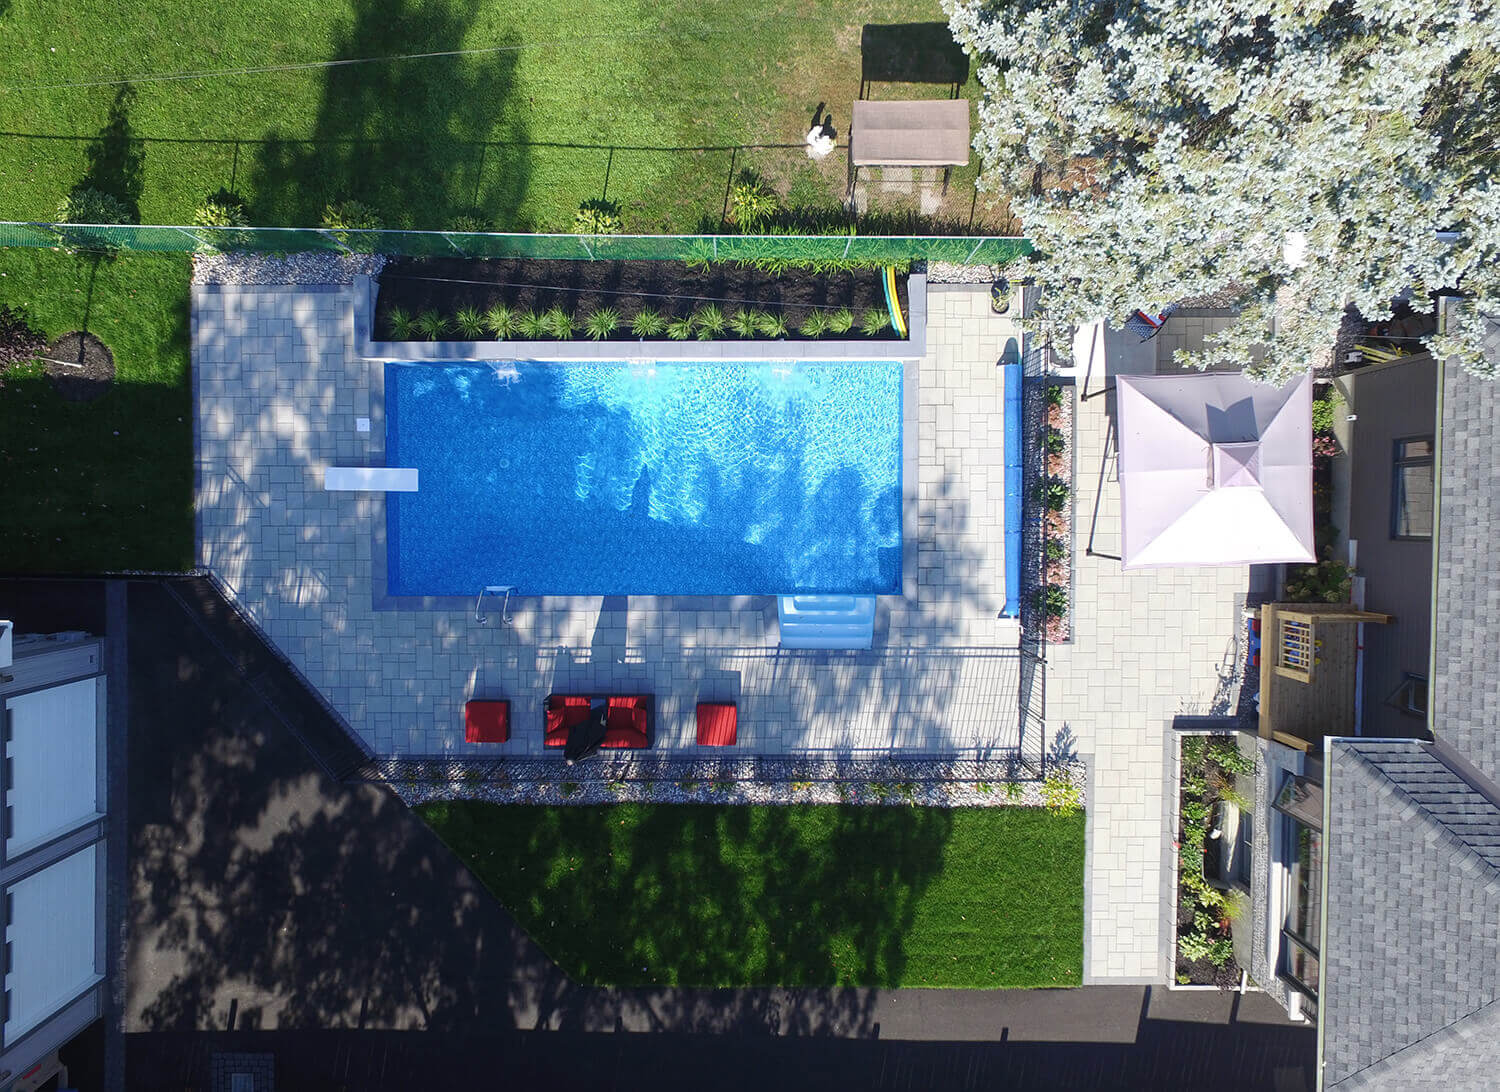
point(279, 386)
point(1149, 645)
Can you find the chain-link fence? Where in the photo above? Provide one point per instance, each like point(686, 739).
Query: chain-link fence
point(438, 244)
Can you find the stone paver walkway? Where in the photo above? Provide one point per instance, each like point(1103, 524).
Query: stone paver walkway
point(1149, 645)
point(279, 388)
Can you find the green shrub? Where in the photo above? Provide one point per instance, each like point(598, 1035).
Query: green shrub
point(680, 329)
point(708, 320)
point(648, 322)
point(350, 215)
point(222, 210)
point(401, 323)
point(470, 323)
point(772, 324)
point(1056, 551)
point(1325, 409)
point(531, 326)
point(700, 256)
point(1054, 494)
point(1194, 946)
point(597, 217)
point(432, 325)
point(469, 224)
point(984, 788)
point(752, 204)
point(571, 788)
point(86, 205)
point(814, 325)
point(602, 323)
point(1056, 443)
point(500, 320)
point(1014, 791)
point(1052, 601)
point(1226, 754)
point(874, 320)
point(1054, 395)
point(840, 321)
point(745, 322)
point(1325, 582)
point(20, 342)
point(558, 323)
point(1059, 795)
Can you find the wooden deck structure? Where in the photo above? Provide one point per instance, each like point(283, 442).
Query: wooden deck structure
point(1309, 653)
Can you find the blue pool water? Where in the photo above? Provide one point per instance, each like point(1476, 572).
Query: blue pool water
point(630, 479)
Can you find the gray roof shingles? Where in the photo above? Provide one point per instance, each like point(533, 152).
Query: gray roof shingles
point(1411, 958)
point(1466, 617)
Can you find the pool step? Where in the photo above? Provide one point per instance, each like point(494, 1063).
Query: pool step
point(826, 621)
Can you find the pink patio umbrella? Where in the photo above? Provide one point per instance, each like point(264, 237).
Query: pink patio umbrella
point(1214, 470)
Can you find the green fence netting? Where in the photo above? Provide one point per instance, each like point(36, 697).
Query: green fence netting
point(428, 244)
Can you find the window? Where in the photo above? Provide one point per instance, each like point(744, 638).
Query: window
point(1304, 899)
point(1412, 490)
point(1411, 695)
point(1305, 879)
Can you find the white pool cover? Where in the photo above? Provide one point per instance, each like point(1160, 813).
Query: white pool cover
point(1214, 470)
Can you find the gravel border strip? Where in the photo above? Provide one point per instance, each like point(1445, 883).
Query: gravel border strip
point(305, 267)
point(946, 783)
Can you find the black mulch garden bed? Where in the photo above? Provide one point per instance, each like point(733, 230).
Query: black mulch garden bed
point(80, 367)
point(581, 287)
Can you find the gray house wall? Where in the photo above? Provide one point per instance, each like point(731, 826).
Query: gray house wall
point(1392, 402)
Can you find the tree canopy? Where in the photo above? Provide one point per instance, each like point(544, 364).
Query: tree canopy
point(1168, 149)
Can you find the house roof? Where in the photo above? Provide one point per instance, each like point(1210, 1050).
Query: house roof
point(1411, 948)
point(1466, 593)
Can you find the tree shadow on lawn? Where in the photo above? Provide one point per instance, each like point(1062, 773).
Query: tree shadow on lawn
point(116, 157)
point(396, 134)
point(699, 895)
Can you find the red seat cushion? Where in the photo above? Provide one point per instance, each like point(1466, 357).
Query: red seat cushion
point(718, 723)
point(628, 723)
point(487, 721)
point(563, 711)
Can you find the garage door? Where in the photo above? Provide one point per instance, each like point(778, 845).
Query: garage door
point(51, 934)
point(52, 782)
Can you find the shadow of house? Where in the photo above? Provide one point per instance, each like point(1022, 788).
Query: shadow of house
point(442, 111)
point(911, 53)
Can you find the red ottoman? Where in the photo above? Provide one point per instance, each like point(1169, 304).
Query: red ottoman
point(487, 721)
point(718, 722)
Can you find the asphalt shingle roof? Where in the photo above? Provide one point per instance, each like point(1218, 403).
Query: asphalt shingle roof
point(1465, 691)
point(1411, 958)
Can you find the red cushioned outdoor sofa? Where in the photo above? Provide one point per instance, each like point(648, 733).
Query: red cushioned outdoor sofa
point(628, 723)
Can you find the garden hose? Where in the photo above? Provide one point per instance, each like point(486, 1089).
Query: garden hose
point(892, 303)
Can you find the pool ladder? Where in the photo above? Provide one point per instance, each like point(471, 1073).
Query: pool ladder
point(494, 589)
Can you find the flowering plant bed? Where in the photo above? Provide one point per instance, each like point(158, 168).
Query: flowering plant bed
point(441, 299)
point(1056, 493)
point(1205, 948)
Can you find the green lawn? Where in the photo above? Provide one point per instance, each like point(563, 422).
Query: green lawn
point(648, 104)
point(811, 896)
point(106, 484)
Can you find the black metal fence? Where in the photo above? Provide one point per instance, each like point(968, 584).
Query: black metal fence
point(1035, 369)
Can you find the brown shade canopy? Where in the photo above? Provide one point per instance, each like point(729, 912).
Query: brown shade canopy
point(924, 133)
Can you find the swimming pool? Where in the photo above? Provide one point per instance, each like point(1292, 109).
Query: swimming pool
point(630, 479)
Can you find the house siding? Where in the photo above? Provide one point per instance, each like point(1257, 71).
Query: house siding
point(1391, 402)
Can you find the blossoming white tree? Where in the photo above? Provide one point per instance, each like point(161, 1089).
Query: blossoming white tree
point(1162, 149)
